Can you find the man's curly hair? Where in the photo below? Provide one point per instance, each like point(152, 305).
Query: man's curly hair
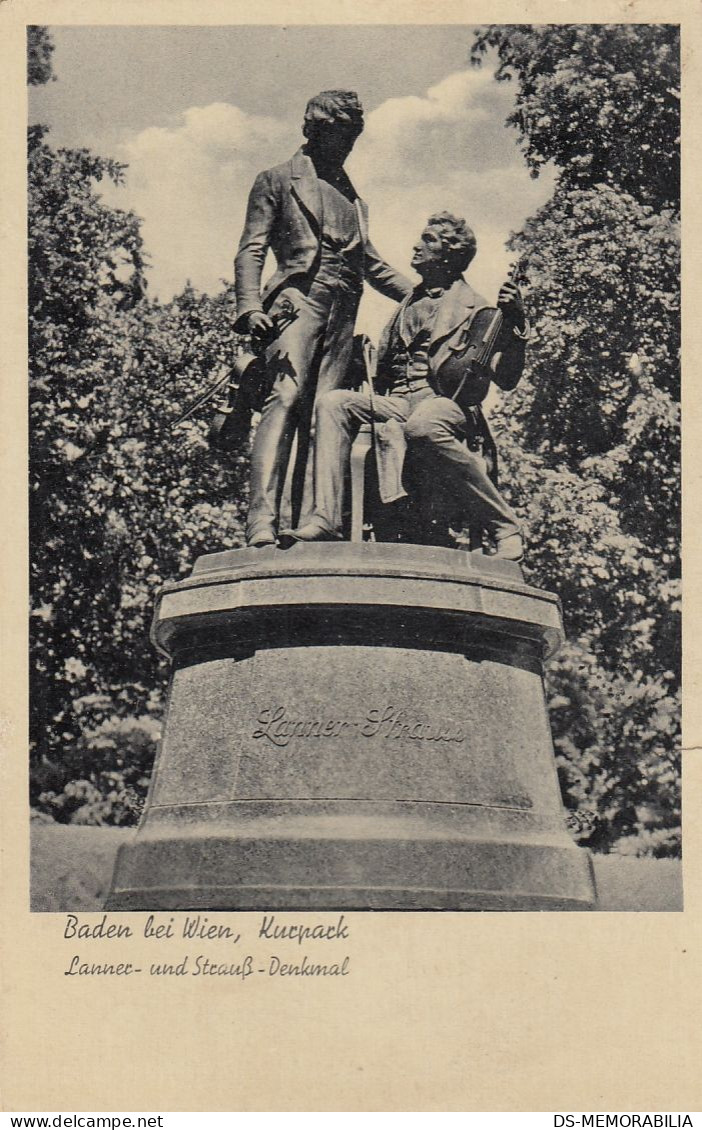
point(456, 237)
point(334, 106)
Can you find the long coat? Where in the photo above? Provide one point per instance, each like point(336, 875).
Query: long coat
point(285, 213)
point(455, 308)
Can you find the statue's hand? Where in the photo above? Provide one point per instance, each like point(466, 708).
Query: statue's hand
point(509, 301)
point(258, 324)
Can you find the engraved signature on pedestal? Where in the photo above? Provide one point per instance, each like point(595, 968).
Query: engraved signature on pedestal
point(278, 726)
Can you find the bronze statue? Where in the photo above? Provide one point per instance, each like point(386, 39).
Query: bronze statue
point(308, 212)
point(420, 356)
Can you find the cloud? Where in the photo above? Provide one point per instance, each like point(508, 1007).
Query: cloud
point(448, 149)
point(190, 183)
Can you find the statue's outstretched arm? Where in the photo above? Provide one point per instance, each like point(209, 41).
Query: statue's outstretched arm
point(385, 278)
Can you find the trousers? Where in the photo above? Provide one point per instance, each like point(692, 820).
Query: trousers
point(436, 430)
point(310, 357)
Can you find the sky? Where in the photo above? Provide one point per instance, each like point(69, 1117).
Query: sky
point(196, 112)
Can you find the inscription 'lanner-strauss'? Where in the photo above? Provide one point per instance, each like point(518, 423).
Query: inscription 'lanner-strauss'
point(274, 724)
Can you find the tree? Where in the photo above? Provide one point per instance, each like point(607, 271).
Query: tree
point(123, 500)
point(590, 440)
point(600, 100)
point(40, 48)
point(119, 500)
point(602, 389)
point(75, 247)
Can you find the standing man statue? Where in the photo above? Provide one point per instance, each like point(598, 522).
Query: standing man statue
point(450, 444)
point(308, 212)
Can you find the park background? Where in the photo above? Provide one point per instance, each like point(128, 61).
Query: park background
point(131, 309)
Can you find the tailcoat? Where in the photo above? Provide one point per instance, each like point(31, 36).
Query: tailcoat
point(285, 213)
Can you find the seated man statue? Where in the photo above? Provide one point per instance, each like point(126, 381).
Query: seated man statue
point(448, 441)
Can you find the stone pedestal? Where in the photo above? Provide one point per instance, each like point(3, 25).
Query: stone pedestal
point(354, 726)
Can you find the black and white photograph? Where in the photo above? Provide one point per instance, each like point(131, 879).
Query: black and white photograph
point(354, 373)
point(343, 654)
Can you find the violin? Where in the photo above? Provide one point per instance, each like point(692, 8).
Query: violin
point(466, 374)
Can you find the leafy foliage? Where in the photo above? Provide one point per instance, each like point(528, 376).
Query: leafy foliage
point(120, 500)
point(600, 100)
point(123, 500)
point(590, 439)
point(40, 48)
point(105, 773)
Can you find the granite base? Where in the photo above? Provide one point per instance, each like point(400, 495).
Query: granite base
point(355, 726)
